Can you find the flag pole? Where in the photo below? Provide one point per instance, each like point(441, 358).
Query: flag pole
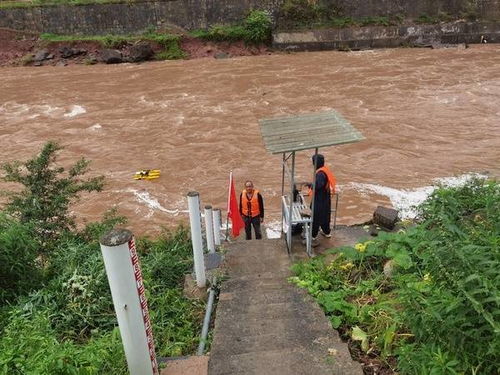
point(228, 205)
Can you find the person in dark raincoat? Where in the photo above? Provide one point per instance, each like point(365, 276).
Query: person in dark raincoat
point(325, 187)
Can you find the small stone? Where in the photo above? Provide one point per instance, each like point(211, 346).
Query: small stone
point(385, 217)
point(37, 63)
point(61, 63)
point(41, 55)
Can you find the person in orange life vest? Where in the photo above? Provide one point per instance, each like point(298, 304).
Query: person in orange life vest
point(325, 187)
point(252, 210)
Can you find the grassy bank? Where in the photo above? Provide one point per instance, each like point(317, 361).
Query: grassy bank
point(425, 300)
point(56, 311)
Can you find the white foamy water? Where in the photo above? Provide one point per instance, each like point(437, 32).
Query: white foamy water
point(95, 127)
point(75, 111)
point(406, 200)
point(273, 229)
point(152, 203)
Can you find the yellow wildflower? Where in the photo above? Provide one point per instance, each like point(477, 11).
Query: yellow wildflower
point(346, 266)
point(427, 277)
point(361, 247)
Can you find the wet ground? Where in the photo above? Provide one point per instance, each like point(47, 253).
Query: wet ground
point(426, 114)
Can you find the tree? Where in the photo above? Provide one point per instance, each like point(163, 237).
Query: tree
point(48, 192)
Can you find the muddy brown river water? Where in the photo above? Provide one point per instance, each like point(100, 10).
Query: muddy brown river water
point(425, 114)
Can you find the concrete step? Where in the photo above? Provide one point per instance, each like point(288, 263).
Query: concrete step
point(264, 325)
point(278, 362)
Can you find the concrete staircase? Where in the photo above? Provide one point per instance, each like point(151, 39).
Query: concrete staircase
point(266, 326)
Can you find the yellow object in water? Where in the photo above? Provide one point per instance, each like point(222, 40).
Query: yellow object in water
point(147, 174)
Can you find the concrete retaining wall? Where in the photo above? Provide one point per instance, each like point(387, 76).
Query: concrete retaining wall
point(195, 14)
point(393, 36)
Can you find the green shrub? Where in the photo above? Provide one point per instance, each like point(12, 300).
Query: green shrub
point(256, 28)
point(48, 192)
point(429, 295)
point(19, 272)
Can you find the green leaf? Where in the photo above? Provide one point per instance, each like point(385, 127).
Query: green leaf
point(359, 335)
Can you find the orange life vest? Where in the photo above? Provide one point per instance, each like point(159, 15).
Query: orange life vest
point(332, 181)
point(250, 207)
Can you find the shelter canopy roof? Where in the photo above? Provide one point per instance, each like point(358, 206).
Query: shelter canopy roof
point(307, 131)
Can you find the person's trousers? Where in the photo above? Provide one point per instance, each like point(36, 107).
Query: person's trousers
point(255, 222)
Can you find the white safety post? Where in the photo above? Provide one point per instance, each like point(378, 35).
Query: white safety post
point(209, 229)
point(131, 307)
point(195, 221)
point(217, 223)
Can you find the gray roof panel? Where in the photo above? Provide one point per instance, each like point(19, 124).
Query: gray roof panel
point(307, 131)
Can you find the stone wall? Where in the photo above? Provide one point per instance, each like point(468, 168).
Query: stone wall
point(391, 36)
point(135, 17)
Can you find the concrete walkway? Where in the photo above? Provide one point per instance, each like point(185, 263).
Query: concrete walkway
point(266, 326)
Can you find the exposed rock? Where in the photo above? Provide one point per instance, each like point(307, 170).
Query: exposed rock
point(67, 52)
point(41, 55)
point(61, 63)
point(50, 56)
point(37, 63)
point(385, 217)
point(140, 52)
point(111, 56)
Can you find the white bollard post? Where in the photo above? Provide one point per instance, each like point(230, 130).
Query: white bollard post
point(195, 221)
point(129, 299)
point(217, 222)
point(209, 229)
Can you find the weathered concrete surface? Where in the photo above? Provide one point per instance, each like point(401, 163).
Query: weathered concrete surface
point(137, 16)
point(390, 36)
point(266, 326)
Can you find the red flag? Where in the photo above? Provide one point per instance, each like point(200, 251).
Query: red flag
point(233, 211)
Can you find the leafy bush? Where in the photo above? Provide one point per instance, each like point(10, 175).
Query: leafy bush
point(429, 295)
point(48, 192)
point(256, 28)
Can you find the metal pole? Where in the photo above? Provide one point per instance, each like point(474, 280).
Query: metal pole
point(282, 187)
point(336, 208)
point(206, 320)
point(217, 223)
point(129, 299)
point(292, 182)
point(195, 221)
point(209, 229)
point(314, 190)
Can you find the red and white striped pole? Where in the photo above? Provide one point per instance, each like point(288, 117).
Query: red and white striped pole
point(131, 307)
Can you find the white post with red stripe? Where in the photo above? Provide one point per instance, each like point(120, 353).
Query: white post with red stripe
point(195, 223)
point(127, 290)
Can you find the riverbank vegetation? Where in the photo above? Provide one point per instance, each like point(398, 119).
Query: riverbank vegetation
point(313, 14)
point(425, 300)
point(56, 311)
point(256, 28)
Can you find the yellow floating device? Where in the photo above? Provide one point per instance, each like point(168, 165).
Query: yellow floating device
point(147, 174)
